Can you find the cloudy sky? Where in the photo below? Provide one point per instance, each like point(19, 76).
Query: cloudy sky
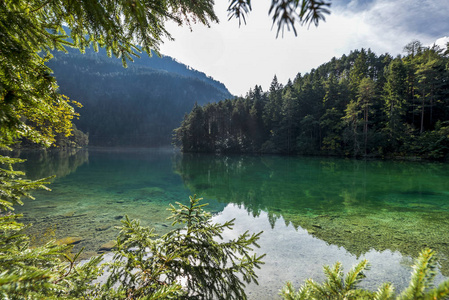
point(242, 57)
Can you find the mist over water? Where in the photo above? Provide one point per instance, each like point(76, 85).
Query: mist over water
point(313, 211)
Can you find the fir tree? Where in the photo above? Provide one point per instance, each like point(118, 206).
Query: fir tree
point(394, 97)
point(190, 262)
point(338, 286)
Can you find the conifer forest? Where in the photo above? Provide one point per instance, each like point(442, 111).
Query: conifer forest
point(360, 104)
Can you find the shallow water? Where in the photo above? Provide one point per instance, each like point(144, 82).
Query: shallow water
point(313, 211)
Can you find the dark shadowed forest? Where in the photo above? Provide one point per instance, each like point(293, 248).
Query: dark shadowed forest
point(136, 106)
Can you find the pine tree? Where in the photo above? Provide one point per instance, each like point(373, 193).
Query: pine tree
point(394, 97)
point(352, 122)
point(338, 286)
point(272, 110)
point(358, 72)
point(429, 81)
point(190, 262)
point(333, 107)
point(289, 122)
point(413, 49)
point(365, 98)
point(256, 126)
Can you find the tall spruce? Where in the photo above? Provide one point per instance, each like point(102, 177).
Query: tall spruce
point(395, 97)
point(365, 97)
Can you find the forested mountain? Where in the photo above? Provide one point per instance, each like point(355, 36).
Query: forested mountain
point(360, 104)
point(136, 106)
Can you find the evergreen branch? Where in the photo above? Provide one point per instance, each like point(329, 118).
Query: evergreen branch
point(440, 292)
point(355, 275)
point(422, 275)
point(385, 292)
point(334, 278)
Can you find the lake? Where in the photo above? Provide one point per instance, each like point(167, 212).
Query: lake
point(313, 211)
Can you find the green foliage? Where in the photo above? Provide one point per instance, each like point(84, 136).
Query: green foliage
point(394, 99)
point(338, 286)
point(209, 266)
point(39, 272)
point(189, 262)
point(13, 186)
point(139, 266)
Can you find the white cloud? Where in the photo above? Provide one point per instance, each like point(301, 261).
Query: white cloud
point(442, 42)
point(249, 55)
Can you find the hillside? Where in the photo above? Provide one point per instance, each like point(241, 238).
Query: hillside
point(137, 106)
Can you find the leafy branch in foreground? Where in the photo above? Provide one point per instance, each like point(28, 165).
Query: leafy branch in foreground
point(188, 262)
point(337, 286)
point(13, 186)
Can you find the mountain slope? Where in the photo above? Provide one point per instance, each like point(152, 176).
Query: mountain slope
point(137, 106)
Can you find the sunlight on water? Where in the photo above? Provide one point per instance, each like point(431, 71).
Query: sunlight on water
point(313, 211)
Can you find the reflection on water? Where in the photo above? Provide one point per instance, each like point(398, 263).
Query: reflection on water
point(295, 255)
point(45, 163)
point(87, 204)
point(359, 205)
point(314, 211)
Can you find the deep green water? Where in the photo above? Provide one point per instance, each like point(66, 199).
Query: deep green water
point(313, 211)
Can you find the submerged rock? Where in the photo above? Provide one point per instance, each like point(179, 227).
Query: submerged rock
point(45, 207)
point(103, 228)
point(107, 246)
point(69, 240)
point(69, 214)
point(151, 191)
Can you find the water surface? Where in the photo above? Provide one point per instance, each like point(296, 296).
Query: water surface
point(313, 211)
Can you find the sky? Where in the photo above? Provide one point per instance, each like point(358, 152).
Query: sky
point(249, 55)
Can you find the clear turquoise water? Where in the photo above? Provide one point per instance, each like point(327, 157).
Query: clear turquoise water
point(313, 211)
